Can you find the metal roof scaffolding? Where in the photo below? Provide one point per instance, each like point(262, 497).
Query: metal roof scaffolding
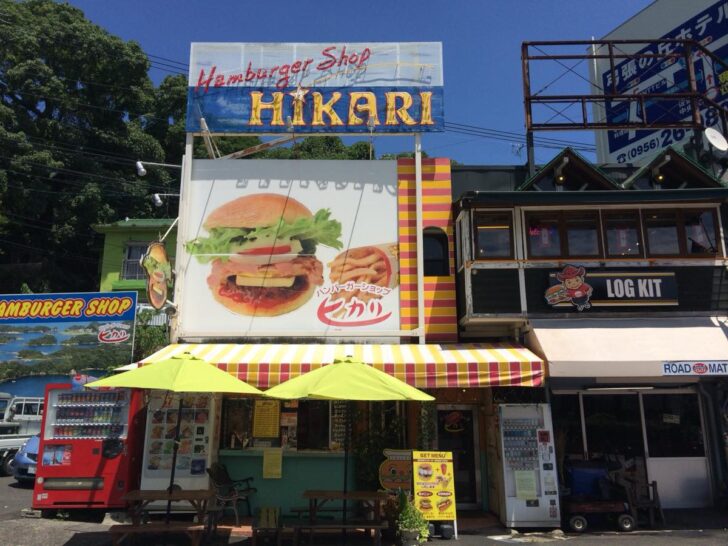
point(547, 111)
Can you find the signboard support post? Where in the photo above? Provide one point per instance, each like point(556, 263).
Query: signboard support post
point(182, 215)
point(420, 256)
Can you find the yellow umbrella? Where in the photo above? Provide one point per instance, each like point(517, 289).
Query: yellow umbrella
point(182, 373)
point(347, 380)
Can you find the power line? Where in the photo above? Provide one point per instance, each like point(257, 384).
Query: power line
point(78, 173)
point(113, 159)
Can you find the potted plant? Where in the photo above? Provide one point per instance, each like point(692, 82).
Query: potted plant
point(412, 526)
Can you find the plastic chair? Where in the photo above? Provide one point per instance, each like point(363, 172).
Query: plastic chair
point(230, 491)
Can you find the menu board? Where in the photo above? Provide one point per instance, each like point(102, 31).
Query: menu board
point(337, 437)
point(194, 433)
point(266, 419)
point(434, 486)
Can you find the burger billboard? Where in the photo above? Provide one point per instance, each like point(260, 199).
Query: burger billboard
point(288, 248)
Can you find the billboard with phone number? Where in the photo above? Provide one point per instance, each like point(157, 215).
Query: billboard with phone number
point(316, 88)
point(704, 21)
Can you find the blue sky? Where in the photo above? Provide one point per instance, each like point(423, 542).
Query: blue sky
point(481, 46)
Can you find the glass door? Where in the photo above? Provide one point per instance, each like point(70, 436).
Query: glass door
point(457, 431)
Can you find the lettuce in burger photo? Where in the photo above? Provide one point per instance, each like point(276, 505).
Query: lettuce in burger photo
point(261, 248)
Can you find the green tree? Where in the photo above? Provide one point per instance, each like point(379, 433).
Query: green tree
point(148, 338)
point(74, 105)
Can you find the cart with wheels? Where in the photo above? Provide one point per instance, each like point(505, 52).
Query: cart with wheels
point(579, 512)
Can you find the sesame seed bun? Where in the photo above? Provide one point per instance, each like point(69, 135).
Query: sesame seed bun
point(258, 210)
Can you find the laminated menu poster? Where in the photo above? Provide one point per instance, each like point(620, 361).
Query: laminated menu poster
point(434, 485)
point(194, 435)
point(266, 419)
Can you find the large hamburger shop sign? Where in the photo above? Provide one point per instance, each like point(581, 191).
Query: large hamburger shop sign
point(309, 88)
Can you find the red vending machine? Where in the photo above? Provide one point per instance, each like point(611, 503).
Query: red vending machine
point(90, 447)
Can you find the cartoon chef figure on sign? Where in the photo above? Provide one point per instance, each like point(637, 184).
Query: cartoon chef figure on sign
point(577, 291)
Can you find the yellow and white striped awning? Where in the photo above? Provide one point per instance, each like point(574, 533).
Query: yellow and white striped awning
point(423, 366)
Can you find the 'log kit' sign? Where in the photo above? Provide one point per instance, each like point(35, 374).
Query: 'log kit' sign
point(576, 287)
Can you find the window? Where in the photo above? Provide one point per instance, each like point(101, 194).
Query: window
point(493, 235)
point(313, 424)
point(30, 408)
point(436, 252)
point(306, 424)
point(673, 425)
point(700, 232)
point(681, 232)
point(622, 230)
point(131, 269)
point(572, 234)
point(544, 239)
point(582, 234)
point(662, 233)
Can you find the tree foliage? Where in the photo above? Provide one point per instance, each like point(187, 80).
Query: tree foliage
point(77, 109)
point(75, 103)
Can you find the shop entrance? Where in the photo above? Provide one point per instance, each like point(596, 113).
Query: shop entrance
point(457, 431)
point(652, 435)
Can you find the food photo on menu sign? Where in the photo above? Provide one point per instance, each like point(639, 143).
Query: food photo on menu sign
point(296, 256)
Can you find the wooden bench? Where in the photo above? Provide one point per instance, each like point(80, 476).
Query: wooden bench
point(338, 525)
point(267, 523)
point(305, 511)
point(194, 531)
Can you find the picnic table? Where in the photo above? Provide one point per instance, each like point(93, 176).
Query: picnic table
point(320, 501)
point(139, 499)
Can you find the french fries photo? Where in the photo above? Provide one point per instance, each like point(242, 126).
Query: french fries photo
point(363, 267)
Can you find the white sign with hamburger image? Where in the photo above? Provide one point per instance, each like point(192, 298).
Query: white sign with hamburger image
point(271, 250)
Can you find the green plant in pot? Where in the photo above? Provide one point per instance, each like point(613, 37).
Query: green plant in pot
point(412, 526)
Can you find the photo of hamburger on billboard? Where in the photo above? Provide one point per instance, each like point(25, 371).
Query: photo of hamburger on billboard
point(159, 274)
point(262, 253)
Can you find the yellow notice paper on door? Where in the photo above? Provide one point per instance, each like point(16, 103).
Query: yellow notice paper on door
point(525, 484)
point(272, 463)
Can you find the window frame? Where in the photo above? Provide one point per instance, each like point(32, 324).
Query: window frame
point(682, 238)
point(605, 213)
point(562, 217)
point(565, 215)
point(438, 235)
point(716, 233)
point(474, 232)
point(639, 215)
point(680, 244)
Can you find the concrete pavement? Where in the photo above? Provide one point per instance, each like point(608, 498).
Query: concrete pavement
point(16, 530)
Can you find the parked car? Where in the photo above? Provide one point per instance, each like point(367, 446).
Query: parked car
point(26, 460)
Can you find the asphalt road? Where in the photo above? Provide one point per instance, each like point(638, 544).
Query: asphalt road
point(16, 530)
